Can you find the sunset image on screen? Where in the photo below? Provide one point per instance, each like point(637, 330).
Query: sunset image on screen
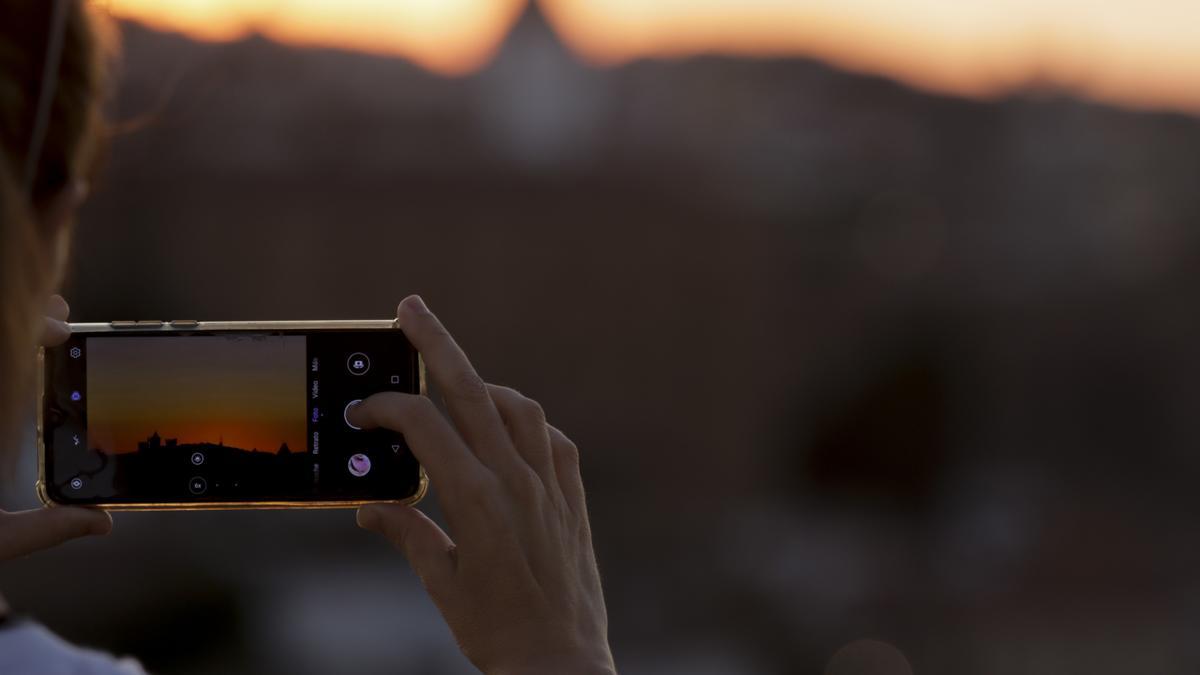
point(146, 393)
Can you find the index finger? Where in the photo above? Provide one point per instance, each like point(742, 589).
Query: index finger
point(466, 394)
point(432, 441)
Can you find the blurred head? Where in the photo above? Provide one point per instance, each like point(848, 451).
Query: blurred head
point(38, 205)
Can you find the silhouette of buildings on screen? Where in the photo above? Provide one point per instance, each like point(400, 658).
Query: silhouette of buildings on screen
point(163, 467)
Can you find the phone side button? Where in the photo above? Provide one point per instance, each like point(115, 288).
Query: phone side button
point(184, 323)
point(122, 324)
point(155, 323)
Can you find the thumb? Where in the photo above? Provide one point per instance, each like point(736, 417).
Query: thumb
point(54, 332)
point(424, 544)
point(24, 532)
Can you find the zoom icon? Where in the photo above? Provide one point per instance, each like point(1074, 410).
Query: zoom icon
point(197, 485)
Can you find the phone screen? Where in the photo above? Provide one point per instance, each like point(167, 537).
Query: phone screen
point(167, 417)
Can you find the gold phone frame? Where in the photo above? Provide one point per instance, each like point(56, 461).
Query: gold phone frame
point(184, 327)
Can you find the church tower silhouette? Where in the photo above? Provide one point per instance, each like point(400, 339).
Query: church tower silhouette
point(543, 104)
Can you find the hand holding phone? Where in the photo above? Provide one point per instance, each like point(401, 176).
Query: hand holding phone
point(152, 415)
point(25, 532)
point(518, 583)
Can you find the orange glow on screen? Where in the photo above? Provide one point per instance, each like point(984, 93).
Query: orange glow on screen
point(1135, 52)
point(246, 392)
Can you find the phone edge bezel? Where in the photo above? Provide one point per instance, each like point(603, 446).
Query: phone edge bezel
point(166, 327)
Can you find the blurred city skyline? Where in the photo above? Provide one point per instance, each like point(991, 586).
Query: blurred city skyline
point(1140, 55)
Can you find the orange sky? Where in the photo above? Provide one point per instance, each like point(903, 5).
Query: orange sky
point(1143, 53)
point(249, 391)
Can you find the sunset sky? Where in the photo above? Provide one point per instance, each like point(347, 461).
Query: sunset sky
point(1142, 53)
point(251, 392)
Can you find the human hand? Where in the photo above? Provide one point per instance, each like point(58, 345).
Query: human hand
point(518, 584)
point(24, 532)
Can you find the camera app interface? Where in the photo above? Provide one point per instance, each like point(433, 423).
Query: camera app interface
point(229, 417)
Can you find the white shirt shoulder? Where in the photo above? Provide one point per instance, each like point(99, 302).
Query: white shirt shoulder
point(29, 648)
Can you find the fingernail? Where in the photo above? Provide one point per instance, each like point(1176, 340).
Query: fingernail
point(367, 518)
point(417, 305)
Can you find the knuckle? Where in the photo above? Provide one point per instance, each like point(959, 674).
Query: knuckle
point(524, 482)
point(532, 411)
point(523, 488)
point(412, 411)
point(421, 407)
point(467, 385)
point(503, 393)
point(566, 451)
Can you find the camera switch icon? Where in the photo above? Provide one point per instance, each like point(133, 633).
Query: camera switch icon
point(358, 363)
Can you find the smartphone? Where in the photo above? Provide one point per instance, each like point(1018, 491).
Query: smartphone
point(180, 415)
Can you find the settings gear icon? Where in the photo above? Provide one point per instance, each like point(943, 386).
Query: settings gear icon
point(76, 352)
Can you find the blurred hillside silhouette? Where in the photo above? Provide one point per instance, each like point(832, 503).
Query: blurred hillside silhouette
point(845, 360)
